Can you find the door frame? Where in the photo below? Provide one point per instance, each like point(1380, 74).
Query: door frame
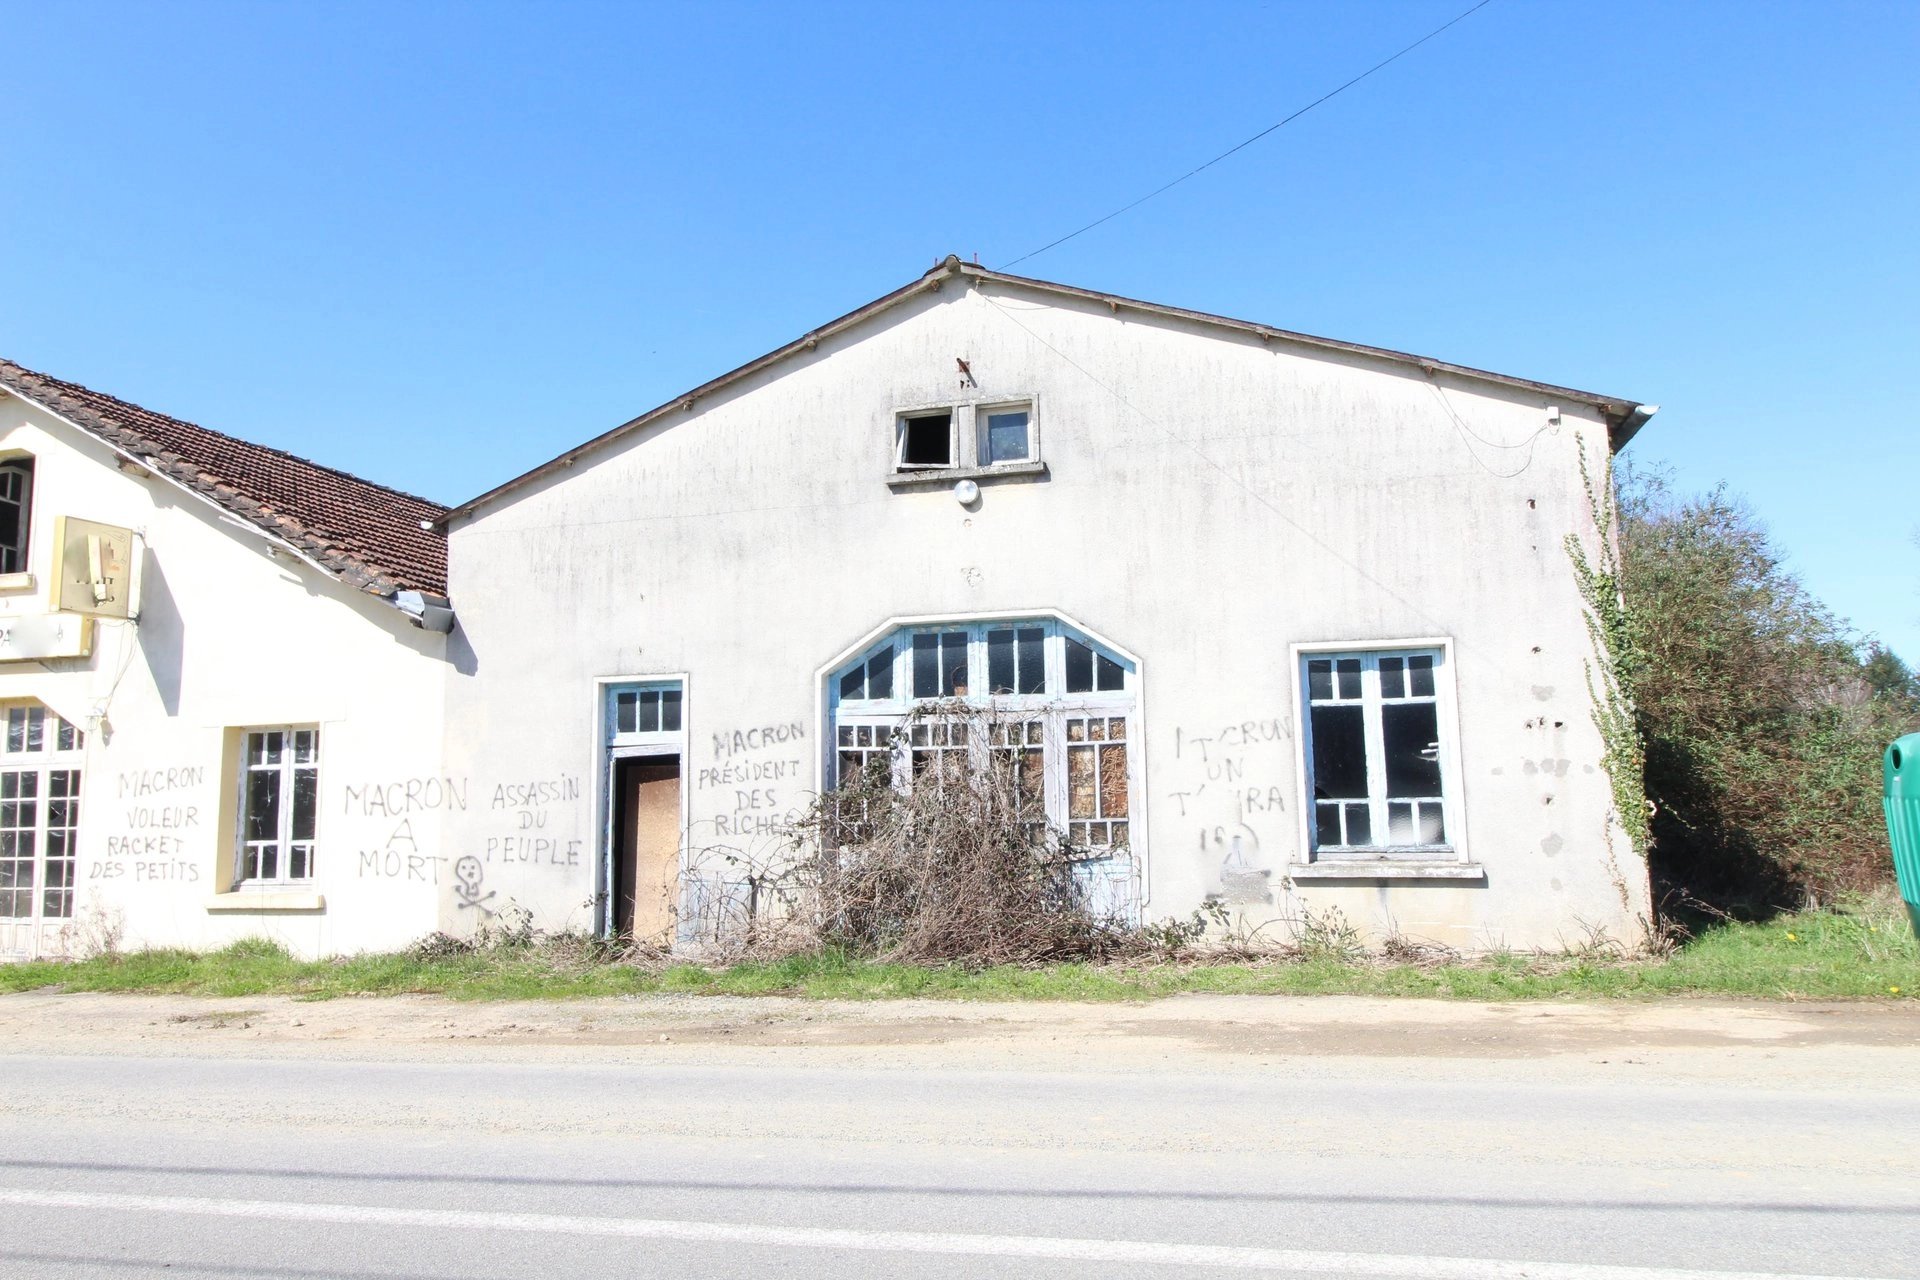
point(606, 755)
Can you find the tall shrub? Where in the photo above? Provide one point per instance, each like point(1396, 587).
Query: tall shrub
point(1763, 715)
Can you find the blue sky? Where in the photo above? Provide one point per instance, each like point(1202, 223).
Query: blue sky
point(436, 244)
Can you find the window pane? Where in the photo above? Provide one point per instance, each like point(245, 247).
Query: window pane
point(1349, 672)
point(1000, 678)
point(1079, 667)
point(880, 674)
point(953, 660)
point(1359, 824)
point(670, 710)
point(1433, 827)
point(1393, 683)
point(1080, 792)
point(306, 746)
point(650, 711)
point(1007, 436)
point(1113, 780)
point(1326, 824)
point(1033, 664)
point(269, 861)
point(306, 787)
point(1320, 679)
point(263, 804)
point(1111, 676)
point(1400, 827)
point(626, 712)
point(927, 441)
point(1339, 754)
point(1420, 675)
point(16, 728)
point(926, 666)
point(1411, 735)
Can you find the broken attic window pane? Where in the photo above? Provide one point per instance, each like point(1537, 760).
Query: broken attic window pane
point(1007, 436)
point(926, 440)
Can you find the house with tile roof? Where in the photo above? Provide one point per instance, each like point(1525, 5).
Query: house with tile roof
point(1271, 622)
point(220, 687)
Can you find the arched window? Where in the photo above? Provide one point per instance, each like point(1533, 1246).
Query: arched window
point(1061, 702)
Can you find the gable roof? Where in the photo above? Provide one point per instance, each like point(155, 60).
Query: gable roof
point(376, 539)
point(1624, 417)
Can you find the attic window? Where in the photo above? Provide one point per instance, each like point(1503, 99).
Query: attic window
point(925, 441)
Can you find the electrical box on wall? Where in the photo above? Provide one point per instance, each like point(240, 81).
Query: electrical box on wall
point(92, 568)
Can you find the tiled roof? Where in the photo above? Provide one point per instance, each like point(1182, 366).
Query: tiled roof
point(369, 535)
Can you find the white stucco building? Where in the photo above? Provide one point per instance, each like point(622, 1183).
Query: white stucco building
point(221, 767)
point(1280, 621)
point(1287, 620)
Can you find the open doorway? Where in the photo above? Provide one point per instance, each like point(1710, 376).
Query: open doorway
point(646, 846)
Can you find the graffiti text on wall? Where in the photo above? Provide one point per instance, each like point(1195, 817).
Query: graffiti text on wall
point(748, 764)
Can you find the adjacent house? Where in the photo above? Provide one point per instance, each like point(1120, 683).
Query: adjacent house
point(1270, 620)
point(204, 744)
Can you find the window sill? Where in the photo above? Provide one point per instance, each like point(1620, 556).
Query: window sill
point(258, 900)
point(900, 481)
point(16, 582)
point(1385, 869)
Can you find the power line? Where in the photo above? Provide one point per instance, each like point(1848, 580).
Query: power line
point(1333, 93)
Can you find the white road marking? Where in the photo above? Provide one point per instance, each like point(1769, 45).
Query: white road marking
point(1405, 1266)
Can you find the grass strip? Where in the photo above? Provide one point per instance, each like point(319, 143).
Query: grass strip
point(1863, 952)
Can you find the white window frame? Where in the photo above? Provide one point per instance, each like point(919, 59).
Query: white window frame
point(1054, 707)
point(1454, 847)
point(43, 762)
point(283, 838)
point(900, 421)
point(24, 465)
point(982, 416)
point(966, 440)
point(659, 739)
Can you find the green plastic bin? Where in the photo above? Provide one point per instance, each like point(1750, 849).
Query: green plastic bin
point(1903, 818)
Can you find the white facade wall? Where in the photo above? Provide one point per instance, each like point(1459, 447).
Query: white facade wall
point(232, 633)
point(1213, 501)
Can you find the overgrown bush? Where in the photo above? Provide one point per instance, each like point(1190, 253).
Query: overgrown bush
point(935, 848)
point(1763, 715)
point(958, 865)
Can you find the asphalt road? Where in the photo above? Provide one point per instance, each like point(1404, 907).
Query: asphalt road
point(351, 1159)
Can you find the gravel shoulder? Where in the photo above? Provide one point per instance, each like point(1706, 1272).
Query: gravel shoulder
point(1820, 1046)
